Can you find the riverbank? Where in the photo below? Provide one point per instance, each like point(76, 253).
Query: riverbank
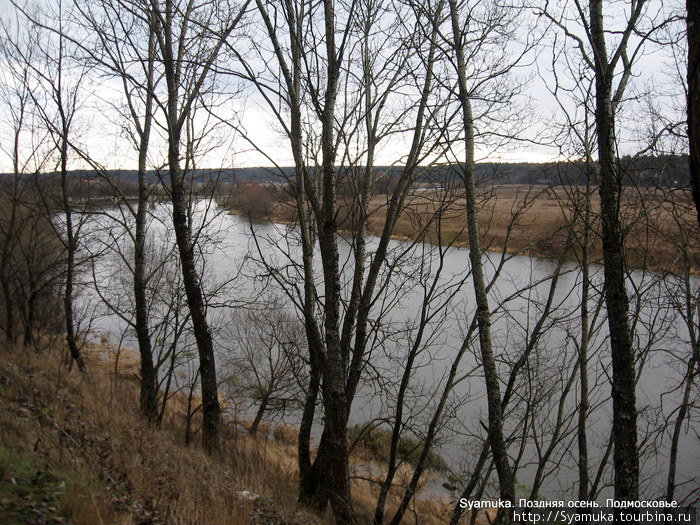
point(74, 450)
point(661, 228)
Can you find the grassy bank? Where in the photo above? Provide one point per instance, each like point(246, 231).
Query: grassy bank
point(74, 450)
point(535, 221)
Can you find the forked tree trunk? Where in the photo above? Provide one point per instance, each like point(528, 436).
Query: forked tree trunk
point(312, 475)
point(333, 363)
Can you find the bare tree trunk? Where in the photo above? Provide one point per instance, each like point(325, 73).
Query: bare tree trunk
point(190, 412)
point(689, 314)
point(312, 489)
point(334, 363)
point(469, 487)
point(313, 485)
point(626, 458)
point(677, 431)
point(149, 379)
point(493, 395)
point(259, 414)
point(693, 22)
point(210, 399)
point(584, 404)
point(28, 339)
point(7, 249)
point(71, 248)
point(173, 43)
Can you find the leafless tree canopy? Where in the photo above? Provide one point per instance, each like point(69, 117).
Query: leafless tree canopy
point(390, 307)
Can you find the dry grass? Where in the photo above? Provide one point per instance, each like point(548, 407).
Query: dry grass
point(287, 434)
point(89, 458)
point(263, 426)
point(534, 220)
point(112, 468)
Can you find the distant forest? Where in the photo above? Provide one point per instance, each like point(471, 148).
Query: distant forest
point(664, 170)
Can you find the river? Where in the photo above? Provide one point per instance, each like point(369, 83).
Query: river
point(233, 266)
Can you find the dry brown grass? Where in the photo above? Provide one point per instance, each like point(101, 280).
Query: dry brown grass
point(116, 469)
point(534, 220)
point(288, 434)
point(106, 466)
point(263, 426)
point(435, 510)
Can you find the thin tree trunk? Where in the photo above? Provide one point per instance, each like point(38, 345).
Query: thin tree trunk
point(211, 409)
point(207, 368)
point(149, 379)
point(626, 458)
point(258, 416)
point(693, 22)
point(71, 248)
point(314, 490)
point(677, 430)
point(457, 510)
point(7, 254)
point(493, 395)
point(691, 311)
point(190, 413)
point(312, 476)
point(29, 322)
point(584, 405)
point(313, 484)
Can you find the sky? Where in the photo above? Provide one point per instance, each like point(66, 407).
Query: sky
point(653, 86)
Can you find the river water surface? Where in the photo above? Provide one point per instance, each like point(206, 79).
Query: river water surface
point(242, 256)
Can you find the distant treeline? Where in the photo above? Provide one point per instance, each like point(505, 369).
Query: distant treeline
point(665, 170)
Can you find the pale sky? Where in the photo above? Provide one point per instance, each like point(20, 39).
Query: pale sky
point(100, 126)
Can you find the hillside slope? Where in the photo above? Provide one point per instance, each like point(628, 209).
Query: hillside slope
point(73, 450)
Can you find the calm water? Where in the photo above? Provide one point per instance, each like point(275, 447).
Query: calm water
point(233, 265)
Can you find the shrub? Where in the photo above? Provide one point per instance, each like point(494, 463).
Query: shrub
point(377, 441)
point(254, 200)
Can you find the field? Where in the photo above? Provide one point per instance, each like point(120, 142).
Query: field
point(660, 226)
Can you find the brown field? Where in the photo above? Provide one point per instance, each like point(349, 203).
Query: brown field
point(660, 226)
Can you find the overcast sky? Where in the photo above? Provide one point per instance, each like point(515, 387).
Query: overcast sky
point(654, 86)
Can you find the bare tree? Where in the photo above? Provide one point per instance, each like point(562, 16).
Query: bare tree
point(32, 255)
point(682, 293)
point(17, 117)
point(693, 25)
point(265, 361)
point(337, 120)
point(57, 96)
point(473, 35)
point(188, 55)
point(124, 48)
point(611, 54)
